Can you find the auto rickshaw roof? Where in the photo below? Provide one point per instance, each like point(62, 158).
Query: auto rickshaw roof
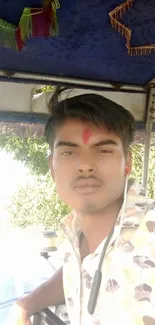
point(87, 46)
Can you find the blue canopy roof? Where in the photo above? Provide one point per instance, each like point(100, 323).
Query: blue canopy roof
point(87, 46)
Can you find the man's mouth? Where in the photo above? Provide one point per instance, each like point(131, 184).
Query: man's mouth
point(87, 186)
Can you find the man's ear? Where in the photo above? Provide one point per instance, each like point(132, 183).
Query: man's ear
point(50, 165)
point(128, 162)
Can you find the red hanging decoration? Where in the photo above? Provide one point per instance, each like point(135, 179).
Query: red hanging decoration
point(34, 22)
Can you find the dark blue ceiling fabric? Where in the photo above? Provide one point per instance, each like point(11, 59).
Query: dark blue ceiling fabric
point(87, 46)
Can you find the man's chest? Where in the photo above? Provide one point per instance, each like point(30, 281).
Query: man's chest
point(127, 289)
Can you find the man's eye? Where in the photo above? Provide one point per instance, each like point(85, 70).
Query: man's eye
point(105, 151)
point(67, 153)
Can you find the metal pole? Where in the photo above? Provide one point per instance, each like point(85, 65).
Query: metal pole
point(33, 77)
point(148, 131)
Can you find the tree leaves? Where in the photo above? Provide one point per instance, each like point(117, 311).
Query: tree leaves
point(31, 151)
point(38, 204)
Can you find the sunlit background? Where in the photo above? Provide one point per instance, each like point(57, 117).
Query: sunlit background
point(22, 268)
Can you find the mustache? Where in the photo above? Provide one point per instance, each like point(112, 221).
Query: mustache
point(92, 177)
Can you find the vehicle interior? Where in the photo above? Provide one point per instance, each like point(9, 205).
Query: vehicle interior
point(106, 47)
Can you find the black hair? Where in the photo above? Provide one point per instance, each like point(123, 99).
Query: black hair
point(90, 107)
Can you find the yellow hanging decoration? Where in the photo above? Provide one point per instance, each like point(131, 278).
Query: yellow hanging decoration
point(115, 16)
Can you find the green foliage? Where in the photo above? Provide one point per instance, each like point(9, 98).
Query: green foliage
point(137, 161)
point(38, 204)
point(137, 167)
point(31, 151)
point(44, 89)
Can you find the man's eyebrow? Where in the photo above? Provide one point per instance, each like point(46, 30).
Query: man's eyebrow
point(72, 144)
point(105, 142)
point(66, 144)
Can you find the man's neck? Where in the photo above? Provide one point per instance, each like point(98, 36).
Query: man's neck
point(97, 227)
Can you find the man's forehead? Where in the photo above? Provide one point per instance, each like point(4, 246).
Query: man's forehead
point(83, 131)
point(83, 126)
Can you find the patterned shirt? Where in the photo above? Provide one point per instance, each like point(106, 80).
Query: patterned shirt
point(127, 291)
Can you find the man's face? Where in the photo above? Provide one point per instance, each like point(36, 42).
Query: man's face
point(88, 165)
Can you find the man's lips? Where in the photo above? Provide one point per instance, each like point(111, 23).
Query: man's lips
point(87, 185)
point(86, 182)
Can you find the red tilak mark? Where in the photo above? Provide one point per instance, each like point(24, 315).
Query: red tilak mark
point(86, 135)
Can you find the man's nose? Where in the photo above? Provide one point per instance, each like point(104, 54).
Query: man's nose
point(86, 168)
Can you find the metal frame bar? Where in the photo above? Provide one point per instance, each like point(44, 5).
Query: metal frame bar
point(150, 109)
point(35, 118)
point(68, 81)
point(48, 317)
point(23, 117)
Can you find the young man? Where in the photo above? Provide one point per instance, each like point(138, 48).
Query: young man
point(89, 137)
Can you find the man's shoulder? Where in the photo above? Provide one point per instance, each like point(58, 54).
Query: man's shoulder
point(144, 236)
point(149, 220)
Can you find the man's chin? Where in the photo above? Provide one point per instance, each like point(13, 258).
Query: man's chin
point(90, 208)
